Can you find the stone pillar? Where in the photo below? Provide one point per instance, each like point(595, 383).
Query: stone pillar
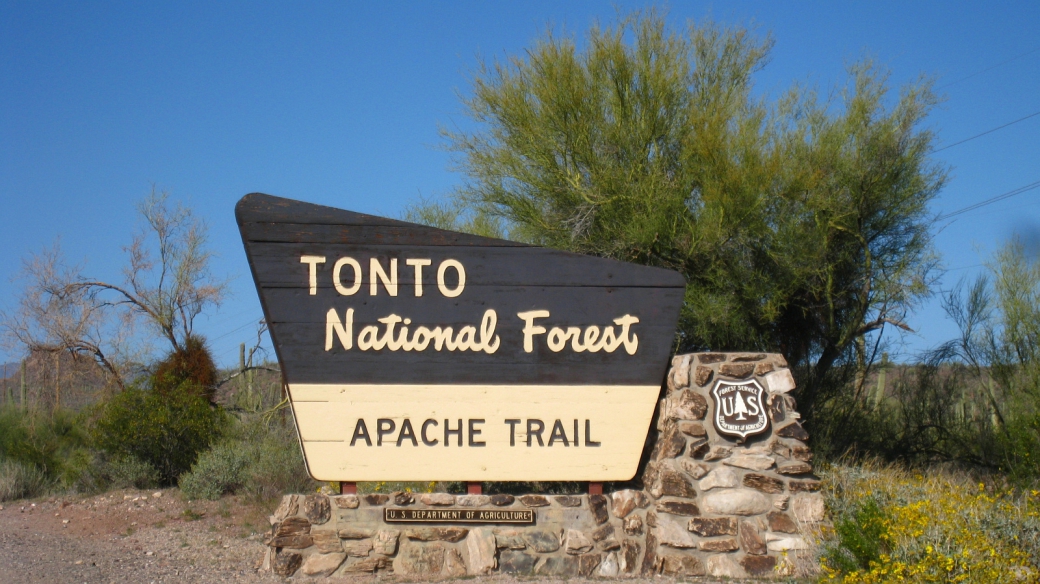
point(726, 505)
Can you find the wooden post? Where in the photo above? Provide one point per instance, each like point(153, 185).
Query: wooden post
point(347, 488)
point(474, 488)
point(595, 488)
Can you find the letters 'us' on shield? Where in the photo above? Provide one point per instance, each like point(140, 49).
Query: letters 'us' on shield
point(414, 353)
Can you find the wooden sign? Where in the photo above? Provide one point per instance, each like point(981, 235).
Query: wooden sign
point(414, 353)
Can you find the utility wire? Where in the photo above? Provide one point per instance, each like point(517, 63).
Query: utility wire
point(977, 73)
point(990, 131)
point(990, 200)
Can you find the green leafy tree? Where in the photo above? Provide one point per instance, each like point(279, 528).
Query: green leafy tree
point(800, 224)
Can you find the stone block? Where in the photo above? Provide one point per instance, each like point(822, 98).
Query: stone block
point(437, 499)
point(695, 429)
point(346, 501)
point(721, 477)
point(713, 526)
point(327, 541)
point(793, 430)
point(611, 543)
point(737, 370)
point(576, 542)
point(628, 559)
point(687, 405)
point(609, 568)
point(780, 449)
point(402, 499)
point(510, 539)
point(287, 508)
point(681, 565)
point(385, 541)
point(454, 565)
point(717, 453)
point(794, 468)
point(624, 502)
point(785, 544)
point(735, 502)
point(777, 412)
point(672, 534)
point(502, 500)
point(297, 542)
point(358, 548)
point(750, 461)
point(375, 499)
point(588, 563)
point(355, 533)
point(534, 500)
point(751, 539)
point(322, 564)
point(687, 508)
point(286, 563)
point(567, 501)
point(633, 525)
point(702, 375)
point(727, 544)
point(481, 549)
point(779, 381)
point(759, 566)
point(452, 534)
point(810, 486)
point(472, 500)
point(801, 453)
point(698, 447)
point(780, 502)
point(292, 526)
point(316, 508)
point(420, 560)
point(724, 566)
point(763, 368)
point(764, 483)
point(514, 562)
point(708, 358)
point(602, 532)
point(681, 373)
point(560, 566)
point(781, 522)
point(694, 469)
point(672, 483)
point(598, 506)
point(670, 443)
point(367, 565)
point(541, 540)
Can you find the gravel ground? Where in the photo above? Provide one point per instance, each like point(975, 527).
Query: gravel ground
point(127, 537)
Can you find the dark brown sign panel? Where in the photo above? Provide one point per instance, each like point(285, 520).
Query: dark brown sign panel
point(417, 353)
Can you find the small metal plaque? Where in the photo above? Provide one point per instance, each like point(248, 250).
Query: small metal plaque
point(740, 408)
point(458, 515)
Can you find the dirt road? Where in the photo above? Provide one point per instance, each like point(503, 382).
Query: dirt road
point(130, 537)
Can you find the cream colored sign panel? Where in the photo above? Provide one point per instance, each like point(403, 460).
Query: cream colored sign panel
point(478, 432)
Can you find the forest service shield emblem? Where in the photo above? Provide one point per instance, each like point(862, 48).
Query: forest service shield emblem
point(740, 408)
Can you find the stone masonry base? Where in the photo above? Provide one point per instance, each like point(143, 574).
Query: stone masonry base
point(710, 505)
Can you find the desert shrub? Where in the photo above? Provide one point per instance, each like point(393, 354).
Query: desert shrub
point(255, 458)
point(893, 524)
point(19, 480)
point(191, 367)
point(164, 430)
point(129, 471)
point(218, 471)
point(54, 444)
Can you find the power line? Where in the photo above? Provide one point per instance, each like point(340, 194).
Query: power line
point(990, 131)
point(990, 200)
point(1000, 64)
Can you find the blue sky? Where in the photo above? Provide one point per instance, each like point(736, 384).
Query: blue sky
point(339, 104)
